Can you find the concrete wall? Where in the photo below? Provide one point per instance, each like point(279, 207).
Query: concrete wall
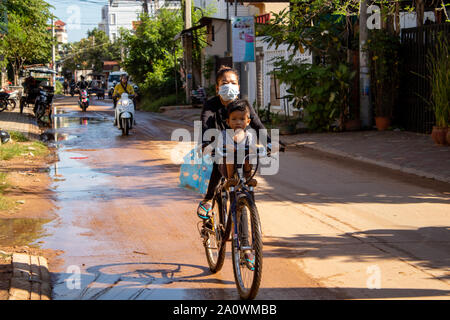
point(219, 44)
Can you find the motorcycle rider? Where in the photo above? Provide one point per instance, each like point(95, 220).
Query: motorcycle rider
point(123, 87)
point(82, 85)
point(65, 86)
point(72, 86)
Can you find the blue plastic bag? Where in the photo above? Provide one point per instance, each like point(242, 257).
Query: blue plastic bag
point(195, 172)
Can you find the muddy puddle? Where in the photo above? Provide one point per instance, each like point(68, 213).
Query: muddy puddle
point(72, 183)
point(75, 184)
point(22, 232)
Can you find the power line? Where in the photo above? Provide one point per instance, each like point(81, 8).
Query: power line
point(101, 3)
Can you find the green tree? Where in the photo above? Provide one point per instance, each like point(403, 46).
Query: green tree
point(149, 56)
point(90, 52)
point(324, 27)
point(28, 39)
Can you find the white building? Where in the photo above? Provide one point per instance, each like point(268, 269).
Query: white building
point(60, 32)
point(119, 14)
point(259, 86)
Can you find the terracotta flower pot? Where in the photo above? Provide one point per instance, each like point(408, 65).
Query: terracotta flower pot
point(439, 135)
point(382, 123)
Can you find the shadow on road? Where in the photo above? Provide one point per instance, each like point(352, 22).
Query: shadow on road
point(153, 280)
point(426, 247)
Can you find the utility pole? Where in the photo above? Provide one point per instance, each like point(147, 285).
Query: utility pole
point(53, 84)
point(228, 31)
point(237, 65)
point(364, 75)
point(187, 14)
point(146, 6)
point(175, 71)
point(53, 54)
point(187, 42)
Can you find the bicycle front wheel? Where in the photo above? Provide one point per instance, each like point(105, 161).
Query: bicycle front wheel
point(247, 272)
point(214, 231)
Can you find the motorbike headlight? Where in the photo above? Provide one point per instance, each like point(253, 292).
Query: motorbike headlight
point(125, 103)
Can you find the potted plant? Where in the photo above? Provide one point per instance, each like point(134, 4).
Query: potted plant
point(438, 63)
point(383, 50)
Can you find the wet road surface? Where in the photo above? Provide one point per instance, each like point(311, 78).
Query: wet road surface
point(331, 229)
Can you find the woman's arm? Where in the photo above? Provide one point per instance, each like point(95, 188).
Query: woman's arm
point(208, 118)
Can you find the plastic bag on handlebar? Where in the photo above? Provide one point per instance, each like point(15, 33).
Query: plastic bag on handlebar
point(195, 171)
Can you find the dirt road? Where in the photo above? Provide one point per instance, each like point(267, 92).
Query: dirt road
point(332, 229)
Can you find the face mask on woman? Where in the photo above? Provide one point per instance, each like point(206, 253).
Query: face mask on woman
point(229, 91)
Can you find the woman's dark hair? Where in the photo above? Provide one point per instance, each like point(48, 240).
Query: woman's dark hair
point(238, 105)
point(223, 70)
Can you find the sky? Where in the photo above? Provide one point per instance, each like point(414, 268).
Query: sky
point(79, 15)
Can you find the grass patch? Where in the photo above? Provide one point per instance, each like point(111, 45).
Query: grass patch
point(5, 203)
point(18, 136)
point(3, 183)
point(153, 105)
point(13, 149)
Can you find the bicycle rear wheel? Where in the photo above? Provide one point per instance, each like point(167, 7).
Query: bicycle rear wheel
point(249, 238)
point(214, 233)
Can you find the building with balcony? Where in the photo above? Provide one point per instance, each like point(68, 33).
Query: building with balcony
point(60, 32)
point(119, 14)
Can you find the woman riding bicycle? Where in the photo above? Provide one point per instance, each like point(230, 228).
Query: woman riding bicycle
point(214, 116)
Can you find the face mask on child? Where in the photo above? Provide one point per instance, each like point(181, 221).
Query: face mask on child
point(229, 91)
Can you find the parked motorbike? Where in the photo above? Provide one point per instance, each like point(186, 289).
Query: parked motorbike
point(83, 102)
point(8, 100)
point(111, 90)
point(124, 113)
point(12, 100)
point(198, 96)
point(4, 97)
point(43, 102)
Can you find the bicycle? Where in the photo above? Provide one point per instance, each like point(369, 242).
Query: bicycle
point(239, 221)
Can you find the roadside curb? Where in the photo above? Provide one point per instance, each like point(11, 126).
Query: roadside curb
point(378, 163)
point(20, 122)
point(31, 278)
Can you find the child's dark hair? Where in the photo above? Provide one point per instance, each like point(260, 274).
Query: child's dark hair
point(223, 70)
point(238, 105)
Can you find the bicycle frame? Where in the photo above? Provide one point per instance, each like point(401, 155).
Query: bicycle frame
point(235, 192)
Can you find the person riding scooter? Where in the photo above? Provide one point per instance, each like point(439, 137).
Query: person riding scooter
point(123, 87)
point(82, 84)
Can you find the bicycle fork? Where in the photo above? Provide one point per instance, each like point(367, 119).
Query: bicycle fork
point(242, 221)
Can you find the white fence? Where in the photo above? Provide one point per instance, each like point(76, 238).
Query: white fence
point(271, 86)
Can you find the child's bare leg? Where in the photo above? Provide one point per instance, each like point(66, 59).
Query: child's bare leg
point(230, 170)
point(247, 170)
point(231, 181)
point(247, 174)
